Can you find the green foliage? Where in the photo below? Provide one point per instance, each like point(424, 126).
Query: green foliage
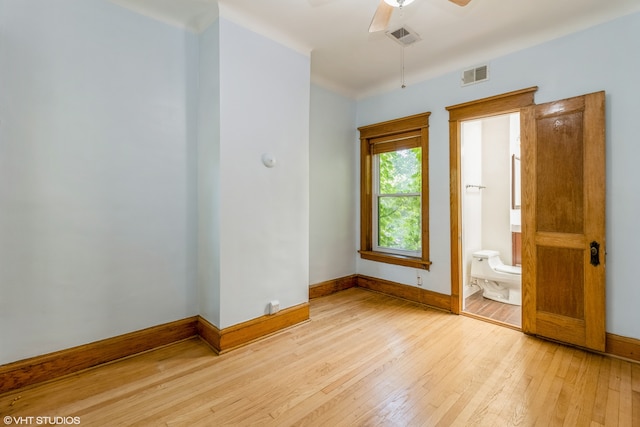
point(399, 213)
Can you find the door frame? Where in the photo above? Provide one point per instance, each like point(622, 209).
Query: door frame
point(506, 103)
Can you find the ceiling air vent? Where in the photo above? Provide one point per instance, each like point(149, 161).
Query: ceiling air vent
point(475, 75)
point(404, 35)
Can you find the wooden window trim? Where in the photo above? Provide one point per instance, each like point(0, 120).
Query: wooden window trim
point(406, 132)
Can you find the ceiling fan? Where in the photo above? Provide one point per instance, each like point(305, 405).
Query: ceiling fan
point(382, 16)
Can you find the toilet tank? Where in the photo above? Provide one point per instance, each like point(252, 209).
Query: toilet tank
point(486, 259)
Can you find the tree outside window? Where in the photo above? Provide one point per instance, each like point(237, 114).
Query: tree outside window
point(397, 199)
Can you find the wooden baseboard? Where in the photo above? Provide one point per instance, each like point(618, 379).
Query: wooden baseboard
point(394, 289)
point(209, 333)
point(628, 348)
point(332, 286)
point(53, 365)
point(616, 345)
point(411, 293)
point(246, 332)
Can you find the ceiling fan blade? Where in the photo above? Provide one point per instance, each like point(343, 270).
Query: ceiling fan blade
point(460, 2)
point(381, 18)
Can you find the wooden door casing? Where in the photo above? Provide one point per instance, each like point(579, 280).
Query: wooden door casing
point(496, 105)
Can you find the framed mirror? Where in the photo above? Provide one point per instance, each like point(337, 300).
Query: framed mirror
point(515, 182)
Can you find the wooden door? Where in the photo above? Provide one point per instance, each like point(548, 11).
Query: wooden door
point(563, 219)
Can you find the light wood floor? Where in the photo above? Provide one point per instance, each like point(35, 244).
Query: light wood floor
point(363, 359)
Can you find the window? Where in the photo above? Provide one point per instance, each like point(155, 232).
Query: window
point(397, 183)
point(394, 192)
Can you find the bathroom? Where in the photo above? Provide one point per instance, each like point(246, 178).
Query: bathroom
point(491, 221)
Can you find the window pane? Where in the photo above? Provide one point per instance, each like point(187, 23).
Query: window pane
point(400, 171)
point(399, 223)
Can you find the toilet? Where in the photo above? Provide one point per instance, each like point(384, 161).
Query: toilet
point(498, 282)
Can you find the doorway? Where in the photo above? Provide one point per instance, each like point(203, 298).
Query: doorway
point(491, 220)
point(508, 103)
point(563, 212)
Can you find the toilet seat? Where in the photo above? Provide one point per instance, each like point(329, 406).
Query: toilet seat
point(509, 269)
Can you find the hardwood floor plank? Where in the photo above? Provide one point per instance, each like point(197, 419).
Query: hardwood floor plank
point(481, 384)
point(626, 396)
point(635, 387)
point(571, 408)
point(598, 414)
point(513, 405)
point(491, 406)
point(363, 359)
point(613, 398)
point(502, 312)
point(590, 390)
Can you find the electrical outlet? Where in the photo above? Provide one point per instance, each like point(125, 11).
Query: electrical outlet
point(274, 306)
point(419, 277)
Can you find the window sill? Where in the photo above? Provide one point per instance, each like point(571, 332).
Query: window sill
point(395, 259)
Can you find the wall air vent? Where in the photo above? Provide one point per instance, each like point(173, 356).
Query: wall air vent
point(475, 75)
point(403, 35)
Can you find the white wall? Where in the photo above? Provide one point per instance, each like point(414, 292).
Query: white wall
point(472, 213)
point(97, 174)
point(333, 182)
point(209, 174)
point(601, 58)
point(103, 127)
point(264, 212)
point(496, 176)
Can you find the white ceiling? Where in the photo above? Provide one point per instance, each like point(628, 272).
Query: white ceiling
point(347, 58)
